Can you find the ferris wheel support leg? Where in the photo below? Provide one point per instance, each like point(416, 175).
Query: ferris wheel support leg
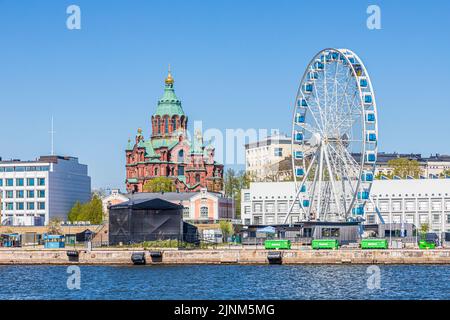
point(377, 210)
point(300, 188)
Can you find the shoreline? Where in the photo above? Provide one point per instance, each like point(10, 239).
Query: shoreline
point(122, 257)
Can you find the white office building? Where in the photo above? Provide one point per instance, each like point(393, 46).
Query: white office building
point(415, 201)
point(33, 192)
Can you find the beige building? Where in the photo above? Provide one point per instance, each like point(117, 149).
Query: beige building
point(263, 157)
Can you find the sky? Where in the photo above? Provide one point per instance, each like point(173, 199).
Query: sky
point(236, 64)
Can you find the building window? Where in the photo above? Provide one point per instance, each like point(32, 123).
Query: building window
point(181, 156)
point(41, 194)
point(204, 212)
point(436, 218)
point(448, 218)
point(1, 182)
point(257, 207)
point(41, 205)
point(9, 206)
point(423, 205)
point(282, 207)
point(19, 194)
point(246, 196)
point(9, 194)
point(41, 181)
point(30, 193)
point(19, 182)
point(197, 178)
point(158, 125)
point(30, 182)
point(186, 212)
point(9, 182)
point(278, 152)
point(371, 218)
point(30, 205)
point(436, 205)
point(19, 206)
point(270, 207)
point(247, 209)
point(174, 124)
point(166, 125)
point(181, 170)
point(330, 232)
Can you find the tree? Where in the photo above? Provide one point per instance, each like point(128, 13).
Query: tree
point(54, 226)
point(91, 211)
point(226, 228)
point(424, 228)
point(403, 167)
point(233, 184)
point(159, 184)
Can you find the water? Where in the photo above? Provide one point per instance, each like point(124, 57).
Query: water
point(226, 282)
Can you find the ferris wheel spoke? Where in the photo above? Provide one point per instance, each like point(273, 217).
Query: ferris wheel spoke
point(331, 173)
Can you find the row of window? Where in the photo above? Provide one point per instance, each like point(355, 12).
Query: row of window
point(20, 194)
point(20, 182)
point(409, 206)
point(24, 168)
point(21, 205)
point(409, 218)
point(204, 213)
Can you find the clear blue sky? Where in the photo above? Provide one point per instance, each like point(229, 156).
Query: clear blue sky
point(236, 64)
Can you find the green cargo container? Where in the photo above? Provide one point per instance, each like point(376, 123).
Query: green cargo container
point(325, 244)
point(277, 244)
point(426, 245)
point(374, 244)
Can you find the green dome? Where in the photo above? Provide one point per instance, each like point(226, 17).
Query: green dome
point(169, 104)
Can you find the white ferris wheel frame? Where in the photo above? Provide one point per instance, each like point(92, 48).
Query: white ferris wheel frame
point(323, 153)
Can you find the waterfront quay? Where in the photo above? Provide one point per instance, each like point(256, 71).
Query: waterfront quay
point(123, 256)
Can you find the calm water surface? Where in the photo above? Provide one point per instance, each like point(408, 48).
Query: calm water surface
point(225, 282)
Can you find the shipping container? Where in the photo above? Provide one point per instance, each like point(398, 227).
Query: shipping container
point(325, 244)
point(374, 244)
point(426, 245)
point(277, 244)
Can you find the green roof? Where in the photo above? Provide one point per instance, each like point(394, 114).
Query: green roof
point(169, 104)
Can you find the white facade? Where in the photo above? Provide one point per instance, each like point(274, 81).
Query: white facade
point(33, 192)
point(414, 201)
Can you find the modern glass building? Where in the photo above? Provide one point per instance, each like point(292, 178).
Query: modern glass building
point(33, 192)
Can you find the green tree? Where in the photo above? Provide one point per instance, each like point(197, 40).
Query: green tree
point(159, 184)
point(226, 228)
point(75, 212)
point(403, 167)
point(424, 228)
point(91, 211)
point(233, 184)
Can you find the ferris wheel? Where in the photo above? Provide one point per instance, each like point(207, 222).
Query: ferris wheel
point(334, 139)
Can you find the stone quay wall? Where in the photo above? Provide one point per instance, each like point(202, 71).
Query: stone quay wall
point(224, 256)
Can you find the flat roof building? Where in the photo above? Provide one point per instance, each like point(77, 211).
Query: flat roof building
point(34, 192)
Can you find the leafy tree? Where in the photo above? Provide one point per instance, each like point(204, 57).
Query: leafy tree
point(158, 184)
point(233, 184)
point(91, 211)
point(424, 228)
point(403, 167)
point(445, 173)
point(54, 226)
point(226, 228)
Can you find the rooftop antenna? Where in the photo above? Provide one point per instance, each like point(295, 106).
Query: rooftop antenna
point(52, 133)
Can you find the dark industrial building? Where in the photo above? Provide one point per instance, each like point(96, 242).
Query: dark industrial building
point(136, 221)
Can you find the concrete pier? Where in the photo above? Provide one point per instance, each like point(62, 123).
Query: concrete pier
point(223, 256)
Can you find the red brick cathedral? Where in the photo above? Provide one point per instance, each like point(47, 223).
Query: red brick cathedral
point(168, 153)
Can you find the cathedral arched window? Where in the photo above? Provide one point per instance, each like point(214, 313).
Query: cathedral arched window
point(197, 178)
point(166, 125)
point(174, 123)
point(181, 156)
point(156, 171)
point(158, 125)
